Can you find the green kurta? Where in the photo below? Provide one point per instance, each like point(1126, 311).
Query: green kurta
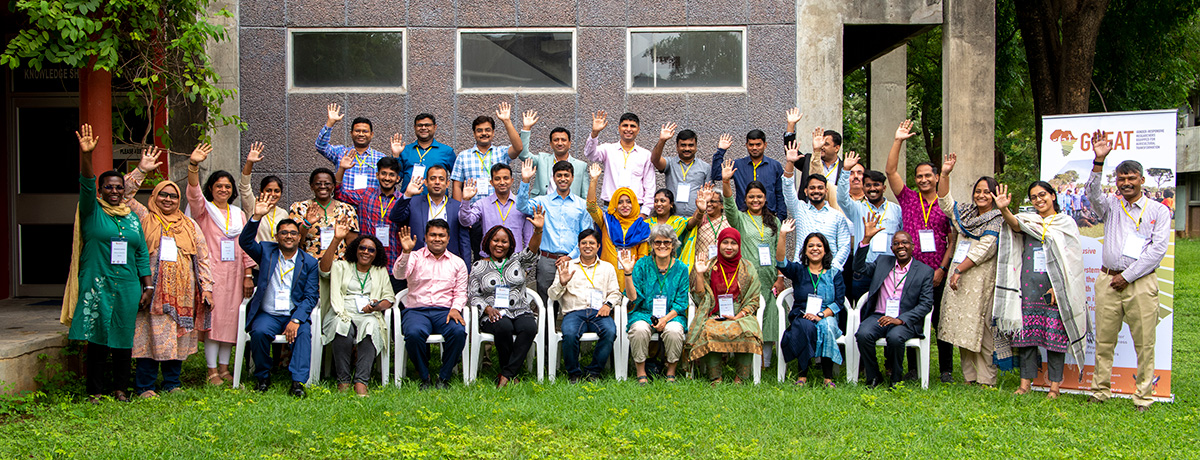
point(754, 234)
point(108, 293)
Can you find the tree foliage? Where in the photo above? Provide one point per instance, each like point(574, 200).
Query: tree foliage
point(1147, 55)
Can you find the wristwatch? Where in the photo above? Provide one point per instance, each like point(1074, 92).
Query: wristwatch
point(821, 314)
point(294, 320)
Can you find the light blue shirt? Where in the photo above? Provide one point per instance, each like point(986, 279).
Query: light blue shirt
point(856, 211)
point(565, 218)
point(281, 281)
point(826, 221)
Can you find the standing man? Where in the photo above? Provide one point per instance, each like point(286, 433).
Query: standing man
point(560, 145)
point(625, 163)
point(496, 209)
point(374, 205)
point(815, 215)
point(924, 220)
point(418, 207)
point(827, 144)
point(437, 295)
point(685, 173)
point(570, 216)
point(858, 209)
point(755, 167)
point(362, 174)
point(425, 152)
point(476, 162)
point(1136, 232)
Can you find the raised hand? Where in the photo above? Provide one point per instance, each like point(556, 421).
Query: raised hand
point(255, 154)
point(564, 272)
point(407, 242)
point(149, 160)
point(264, 205)
point(595, 170)
point(905, 130)
point(415, 187)
point(792, 152)
point(397, 144)
point(1002, 197)
point(871, 225)
point(818, 140)
point(469, 190)
point(1100, 145)
point(727, 169)
point(794, 116)
point(341, 229)
point(850, 161)
point(725, 141)
point(346, 162)
point(787, 226)
point(504, 112)
point(948, 164)
point(528, 119)
point(335, 115)
point(667, 131)
point(626, 260)
point(599, 122)
point(313, 214)
point(87, 142)
point(702, 197)
point(539, 217)
point(701, 266)
point(200, 153)
point(528, 170)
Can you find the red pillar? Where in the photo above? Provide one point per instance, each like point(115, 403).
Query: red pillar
point(95, 108)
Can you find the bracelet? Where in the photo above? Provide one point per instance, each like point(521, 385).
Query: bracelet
point(1098, 163)
point(147, 288)
point(250, 276)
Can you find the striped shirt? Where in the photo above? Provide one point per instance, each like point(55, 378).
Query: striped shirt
point(826, 221)
point(892, 220)
point(365, 164)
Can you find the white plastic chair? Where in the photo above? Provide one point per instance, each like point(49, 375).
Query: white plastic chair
point(477, 338)
point(385, 356)
point(401, 351)
point(555, 340)
point(314, 367)
point(622, 369)
point(920, 343)
point(784, 302)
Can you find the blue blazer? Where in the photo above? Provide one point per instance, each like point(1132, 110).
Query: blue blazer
point(414, 213)
point(306, 291)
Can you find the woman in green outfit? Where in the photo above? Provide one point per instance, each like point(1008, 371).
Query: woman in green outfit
point(658, 300)
point(758, 227)
point(109, 278)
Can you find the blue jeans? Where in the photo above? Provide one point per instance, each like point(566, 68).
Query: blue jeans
point(263, 329)
point(418, 324)
point(147, 373)
point(577, 323)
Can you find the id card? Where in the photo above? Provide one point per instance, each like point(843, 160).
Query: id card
point(382, 233)
point(501, 302)
point(660, 307)
point(682, 191)
point(418, 171)
point(881, 242)
point(595, 299)
point(927, 241)
point(326, 237)
point(960, 252)
point(725, 305)
point(892, 308)
point(361, 302)
point(764, 255)
point(1039, 260)
point(167, 250)
point(360, 181)
point(712, 251)
point(227, 250)
point(1133, 246)
point(283, 301)
point(813, 306)
point(120, 251)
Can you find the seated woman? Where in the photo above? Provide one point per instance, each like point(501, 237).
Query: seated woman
point(622, 226)
point(726, 294)
point(359, 291)
point(819, 293)
point(658, 299)
point(497, 288)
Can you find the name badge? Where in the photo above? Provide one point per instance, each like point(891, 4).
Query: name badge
point(596, 299)
point(764, 255)
point(960, 252)
point(725, 305)
point(418, 171)
point(120, 251)
point(927, 241)
point(660, 306)
point(360, 181)
point(501, 302)
point(712, 251)
point(880, 242)
point(326, 237)
point(892, 308)
point(382, 232)
point(226, 250)
point(1039, 260)
point(814, 304)
point(167, 250)
point(361, 302)
point(682, 192)
point(283, 301)
point(1133, 246)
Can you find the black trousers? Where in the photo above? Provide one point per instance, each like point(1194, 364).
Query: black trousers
point(513, 336)
point(869, 332)
point(108, 369)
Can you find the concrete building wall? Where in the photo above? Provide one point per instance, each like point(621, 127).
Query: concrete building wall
point(288, 122)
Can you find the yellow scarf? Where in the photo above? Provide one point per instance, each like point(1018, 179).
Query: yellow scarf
point(71, 295)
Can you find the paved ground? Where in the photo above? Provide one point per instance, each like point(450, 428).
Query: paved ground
point(28, 327)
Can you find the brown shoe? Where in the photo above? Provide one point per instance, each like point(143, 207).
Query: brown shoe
point(343, 387)
point(360, 389)
point(148, 394)
point(1141, 408)
point(214, 378)
point(121, 396)
point(223, 371)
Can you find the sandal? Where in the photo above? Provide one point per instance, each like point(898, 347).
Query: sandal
point(670, 378)
point(148, 394)
point(801, 381)
point(121, 396)
point(1021, 391)
point(1053, 394)
point(830, 384)
point(214, 378)
point(643, 380)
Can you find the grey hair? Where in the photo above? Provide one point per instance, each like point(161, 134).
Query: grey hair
point(664, 231)
point(1129, 166)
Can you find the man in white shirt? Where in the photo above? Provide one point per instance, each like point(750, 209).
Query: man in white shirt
point(586, 291)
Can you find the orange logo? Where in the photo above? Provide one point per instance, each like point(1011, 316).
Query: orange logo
point(1066, 138)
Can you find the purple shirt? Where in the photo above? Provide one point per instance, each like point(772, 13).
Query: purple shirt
point(893, 286)
point(914, 221)
point(494, 213)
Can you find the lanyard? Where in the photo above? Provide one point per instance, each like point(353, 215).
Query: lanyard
point(756, 165)
point(384, 209)
point(662, 283)
point(226, 213)
point(117, 221)
point(362, 282)
point(279, 268)
point(1046, 226)
point(1137, 224)
point(166, 225)
point(500, 269)
point(761, 236)
point(324, 207)
point(713, 229)
point(627, 153)
point(816, 277)
point(480, 157)
point(420, 155)
point(728, 282)
point(926, 212)
point(590, 278)
point(358, 159)
point(434, 211)
point(897, 283)
point(503, 214)
point(688, 168)
point(271, 223)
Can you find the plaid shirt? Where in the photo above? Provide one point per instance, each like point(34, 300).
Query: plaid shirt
point(473, 164)
point(374, 210)
point(365, 164)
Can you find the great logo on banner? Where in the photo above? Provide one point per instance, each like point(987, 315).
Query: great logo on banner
point(1148, 137)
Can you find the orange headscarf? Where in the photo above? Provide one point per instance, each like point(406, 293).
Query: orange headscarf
point(175, 225)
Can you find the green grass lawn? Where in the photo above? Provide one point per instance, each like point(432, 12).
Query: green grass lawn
point(622, 420)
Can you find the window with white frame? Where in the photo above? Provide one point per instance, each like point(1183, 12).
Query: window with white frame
point(690, 58)
point(355, 59)
point(516, 59)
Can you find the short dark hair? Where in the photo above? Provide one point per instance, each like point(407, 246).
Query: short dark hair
point(439, 223)
point(670, 197)
point(756, 134)
point(563, 165)
point(388, 162)
point(351, 254)
point(500, 167)
point(837, 137)
point(212, 180)
point(685, 135)
point(826, 260)
point(1129, 167)
point(560, 129)
point(267, 180)
point(422, 116)
point(113, 173)
point(816, 177)
point(875, 176)
point(312, 177)
point(286, 221)
point(631, 117)
point(935, 168)
point(362, 120)
point(481, 120)
point(1049, 189)
point(486, 245)
point(433, 167)
point(589, 232)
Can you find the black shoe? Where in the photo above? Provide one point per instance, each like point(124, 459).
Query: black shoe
point(911, 375)
point(574, 378)
point(443, 384)
point(593, 377)
point(947, 377)
point(262, 385)
point(425, 385)
point(297, 390)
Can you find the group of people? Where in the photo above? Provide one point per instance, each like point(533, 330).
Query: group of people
point(446, 235)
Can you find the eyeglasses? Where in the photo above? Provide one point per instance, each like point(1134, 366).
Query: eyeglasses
point(169, 195)
point(288, 233)
point(425, 125)
point(366, 250)
point(1038, 196)
point(112, 187)
point(663, 243)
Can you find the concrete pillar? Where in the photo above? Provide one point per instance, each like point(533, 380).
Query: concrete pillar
point(888, 105)
point(819, 64)
point(968, 89)
point(226, 140)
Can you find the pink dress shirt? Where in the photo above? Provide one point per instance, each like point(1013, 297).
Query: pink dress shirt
point(620, 170)
point(433, 281)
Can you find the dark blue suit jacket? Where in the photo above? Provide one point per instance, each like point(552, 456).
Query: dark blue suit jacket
point(917, 299)
point(414, 213)
point(306, 291)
